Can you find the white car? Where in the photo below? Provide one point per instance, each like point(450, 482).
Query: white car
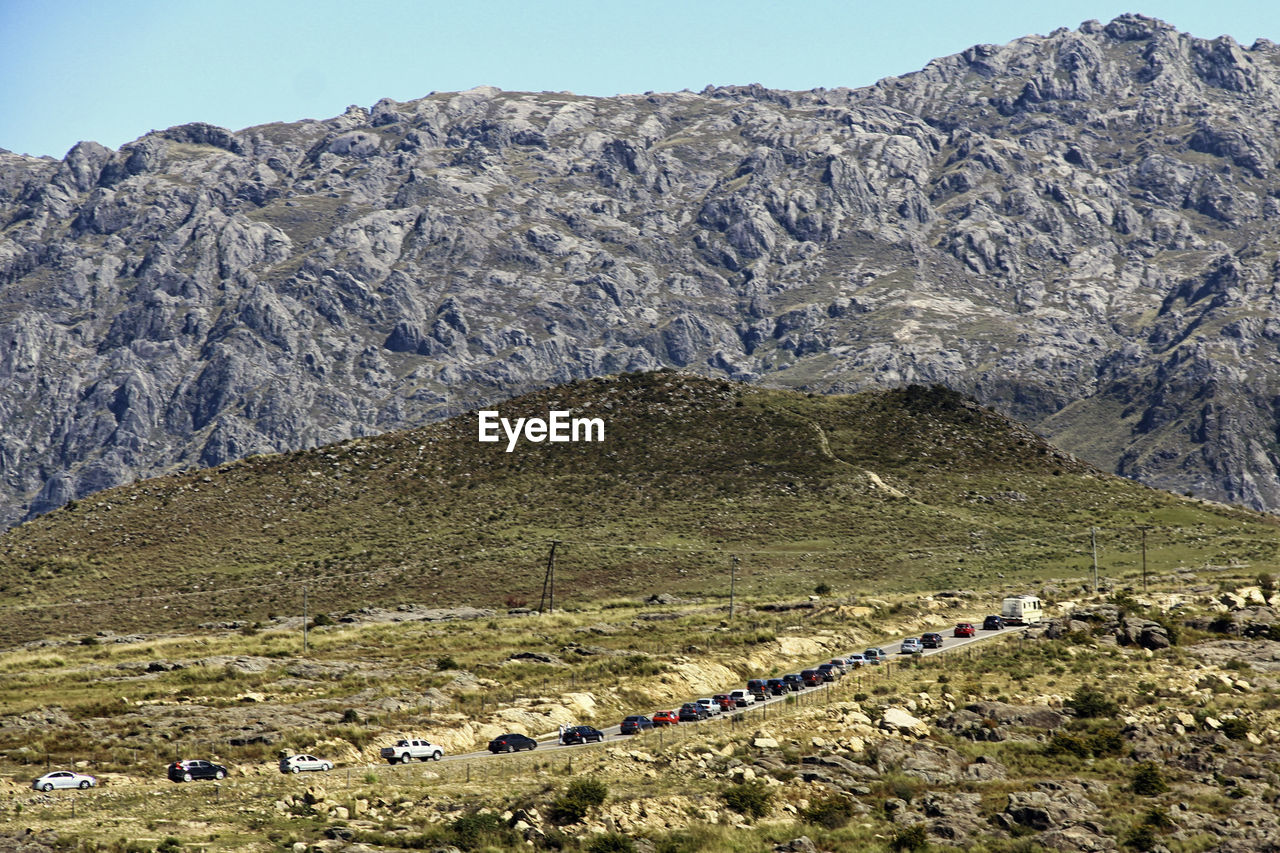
point(712, 706)
point(298, 763)
point(855, 661)
point(63, 779)
point(743, 698)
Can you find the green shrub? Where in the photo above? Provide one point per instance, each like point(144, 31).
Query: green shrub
point(579, 797)
point(822, 589)
point(591, 791)
point(351, 715)
point(909, 838)
point(831, 812)
point(1148, 781)
point(481, 829)
point(447, 662)
point(1235, 728)
point(750, 798)
point(1141, 838)
point(611, 842)
point(1090, 702)
point(1063, 743)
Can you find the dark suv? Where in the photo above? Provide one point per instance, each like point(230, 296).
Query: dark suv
point(758, 687)
point(582, 734)
point(185, 770)
point(993, 623)
point(777, 686)
point(932, 640)
point(795, 680)
point(692, 712)
point(636, 724)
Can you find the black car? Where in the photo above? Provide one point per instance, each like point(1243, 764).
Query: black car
point(993, 623)
point(777, 686)
point(830, 672)
point(582, 734)
point(636, 724)
point(187, 770)
point(692, 712)
point(931, 640)
point(795, 680)
point(511, 742)
point(758, 687)
point(812, 678)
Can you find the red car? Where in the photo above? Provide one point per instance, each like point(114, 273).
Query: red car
point(964, 629)
point(666, 718)
point(725, 701)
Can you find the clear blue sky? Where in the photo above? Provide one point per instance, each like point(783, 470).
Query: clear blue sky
point(110, 70)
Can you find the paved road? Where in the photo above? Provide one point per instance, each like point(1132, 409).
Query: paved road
point(547, 742)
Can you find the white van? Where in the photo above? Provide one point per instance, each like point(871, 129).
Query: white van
point(1021, 610)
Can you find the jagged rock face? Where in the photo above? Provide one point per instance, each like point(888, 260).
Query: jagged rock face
point(1076, 228)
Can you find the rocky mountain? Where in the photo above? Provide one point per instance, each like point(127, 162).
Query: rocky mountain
point(1077, 229)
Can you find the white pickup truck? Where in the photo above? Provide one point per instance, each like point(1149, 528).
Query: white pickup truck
point(407, 748)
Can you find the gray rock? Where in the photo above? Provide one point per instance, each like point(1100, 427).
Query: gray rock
point(201, 295)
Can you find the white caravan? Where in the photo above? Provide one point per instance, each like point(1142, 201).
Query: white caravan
point(1021, 610)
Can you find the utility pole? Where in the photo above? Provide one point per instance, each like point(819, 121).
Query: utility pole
point(1093, 537)
point(304, 618)
point(549, 581)
point(1144, 561)
point(733, 582)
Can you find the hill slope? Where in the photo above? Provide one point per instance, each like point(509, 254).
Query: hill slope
point(906, 489)
point(1077, 229)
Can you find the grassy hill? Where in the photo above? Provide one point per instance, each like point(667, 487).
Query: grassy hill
point(909, 489)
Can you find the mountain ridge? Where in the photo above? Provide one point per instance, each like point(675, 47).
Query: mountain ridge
point(1073, 228)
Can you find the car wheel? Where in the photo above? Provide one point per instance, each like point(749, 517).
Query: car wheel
point(219, 775)
point(532, 747)
point(404, 759)
point(84, 783)
point(295, 769)
point(437, 755)
point(47, 787)
point(186, 777)
point(326, 767)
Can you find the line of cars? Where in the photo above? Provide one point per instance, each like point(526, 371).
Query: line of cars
point(759, 689)
point(406, 749)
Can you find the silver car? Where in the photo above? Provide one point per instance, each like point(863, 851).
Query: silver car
point(911, 646)
point(298, 763)
point(712, 706)
point(63, 779)
point(875, 656)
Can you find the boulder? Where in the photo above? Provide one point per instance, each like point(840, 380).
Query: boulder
point(901, 721)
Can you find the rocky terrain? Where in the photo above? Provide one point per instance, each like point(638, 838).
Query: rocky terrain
point(1076, 228)
point(1086, 733)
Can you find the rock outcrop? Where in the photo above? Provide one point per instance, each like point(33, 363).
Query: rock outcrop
point(1076, 228)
